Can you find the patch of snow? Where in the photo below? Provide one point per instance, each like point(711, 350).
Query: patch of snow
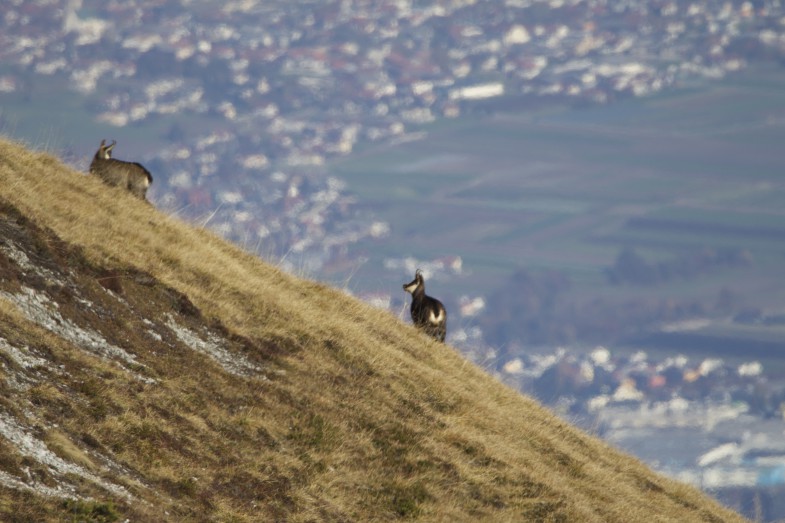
point(38, 308)
point(19, 257)
point(7, 480)
point(23, 358)
point(214, 348)
point(29, 446)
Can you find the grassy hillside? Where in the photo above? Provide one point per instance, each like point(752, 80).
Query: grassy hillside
point(152, 371)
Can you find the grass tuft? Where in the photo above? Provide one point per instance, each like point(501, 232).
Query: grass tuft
point(79, 511)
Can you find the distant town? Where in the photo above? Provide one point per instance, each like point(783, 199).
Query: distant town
point(292, 84)
point(288, 86)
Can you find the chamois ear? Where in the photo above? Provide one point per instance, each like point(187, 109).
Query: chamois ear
point(102, 152)
point(418, 273)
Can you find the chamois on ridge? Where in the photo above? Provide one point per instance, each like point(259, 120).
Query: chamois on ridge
point(428, 313)
point(127, 175)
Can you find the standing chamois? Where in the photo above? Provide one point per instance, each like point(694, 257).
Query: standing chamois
point(117, 173)
point(428, 313)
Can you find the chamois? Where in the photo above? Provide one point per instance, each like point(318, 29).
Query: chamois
point(428, 314)
point(127, 175)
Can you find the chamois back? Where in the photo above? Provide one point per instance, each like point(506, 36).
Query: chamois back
point(131, 176)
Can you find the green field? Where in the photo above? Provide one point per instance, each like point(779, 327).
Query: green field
point(567, 189)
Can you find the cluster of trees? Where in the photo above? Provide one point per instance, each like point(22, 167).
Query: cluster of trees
point(540, 308)
point(527, 309)
point(632, 268)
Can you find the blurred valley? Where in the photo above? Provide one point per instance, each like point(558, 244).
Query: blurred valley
point(654, 222)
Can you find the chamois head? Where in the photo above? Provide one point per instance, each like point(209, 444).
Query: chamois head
point(104, 152)
point(417, 283)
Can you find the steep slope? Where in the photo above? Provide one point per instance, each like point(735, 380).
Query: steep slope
point(151, 371)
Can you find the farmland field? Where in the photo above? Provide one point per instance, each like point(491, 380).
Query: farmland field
point(567, 189)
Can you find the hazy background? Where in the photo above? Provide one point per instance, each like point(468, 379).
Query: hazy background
point(594, 189)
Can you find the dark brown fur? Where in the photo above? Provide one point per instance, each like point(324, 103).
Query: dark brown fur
point(428, 313)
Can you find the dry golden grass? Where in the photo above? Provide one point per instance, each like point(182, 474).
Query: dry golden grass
point(361, 418)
